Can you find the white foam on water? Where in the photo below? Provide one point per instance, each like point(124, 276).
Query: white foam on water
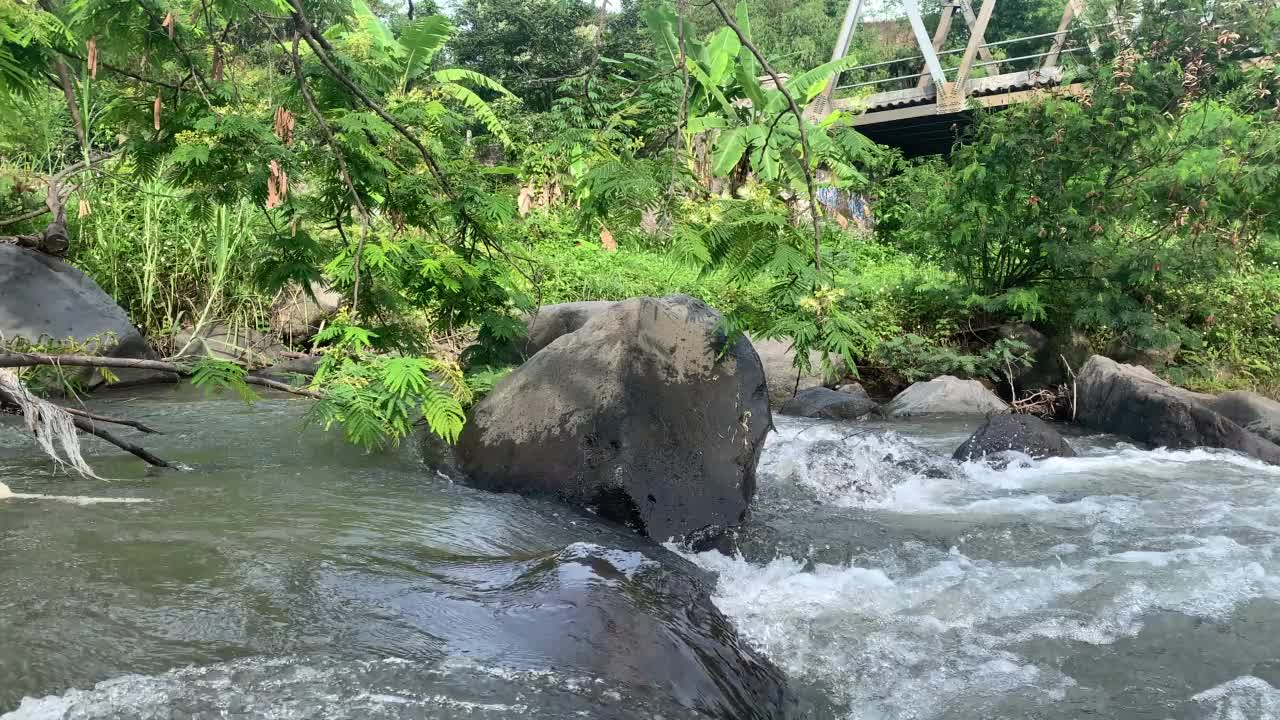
point(1243, 698)
point(299, 688)
point(840, 465)
point(913, 630)
point(6, 493)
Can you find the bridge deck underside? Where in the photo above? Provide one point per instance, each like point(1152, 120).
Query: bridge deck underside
point(912, 120)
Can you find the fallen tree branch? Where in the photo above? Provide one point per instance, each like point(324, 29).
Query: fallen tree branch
point(86, 425)
point(113, 420)
point(16, 359)
point(282, 387)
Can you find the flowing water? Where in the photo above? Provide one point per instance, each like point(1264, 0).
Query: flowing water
point(288, 576)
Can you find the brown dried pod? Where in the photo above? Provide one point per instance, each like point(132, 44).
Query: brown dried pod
point(277, 185)
point(83, 209)
point(92, 56)
point(284, 123)
point(168, 24)
point(155, 112)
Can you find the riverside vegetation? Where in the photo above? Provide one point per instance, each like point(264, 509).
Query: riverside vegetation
point(447, 173)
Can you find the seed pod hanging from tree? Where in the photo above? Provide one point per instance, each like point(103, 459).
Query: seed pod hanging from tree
point(168, 24)
point(277, 186)
point(91, 56)
point(155, 112)
point(284, 125)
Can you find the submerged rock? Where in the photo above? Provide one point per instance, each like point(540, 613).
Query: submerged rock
point(1131, 400)
point(588, 631)
point(1019, 433)
point(640, 415)
point(945, 395)
point(849, 403)
point(44, 299)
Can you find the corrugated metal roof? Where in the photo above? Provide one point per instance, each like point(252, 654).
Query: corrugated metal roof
point(1006, 82)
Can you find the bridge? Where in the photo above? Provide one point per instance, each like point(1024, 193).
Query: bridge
point(922, 110)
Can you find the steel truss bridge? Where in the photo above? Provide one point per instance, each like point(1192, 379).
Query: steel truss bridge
point(921, 111)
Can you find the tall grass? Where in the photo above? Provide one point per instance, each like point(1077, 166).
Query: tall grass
point(167, 270)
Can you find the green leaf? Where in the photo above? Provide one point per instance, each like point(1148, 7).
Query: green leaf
point(729, 149)
point(719, 52)
point(661, 19)
point(479, 108)
point(746, 60)
point(374, 26)
point(454, 75)
point(422, 40)
point(709, 87)
point(702, 123)
point(808, 85)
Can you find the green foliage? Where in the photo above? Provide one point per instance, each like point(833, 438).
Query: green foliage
point(919, 358)
point(212, 375)
point(1128, 212)
point(527, 45)
point(379, 399)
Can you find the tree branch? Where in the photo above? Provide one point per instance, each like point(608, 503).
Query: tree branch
point(53, 240)
point(14, 359)
point(342, 169)
point(113, 420)
point(123, 72)
point(191, 64)
point(322, 49)
point(86, 425)
point(69, 94)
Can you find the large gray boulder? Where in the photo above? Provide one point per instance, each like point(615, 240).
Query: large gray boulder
point(297, 314)
point(945, 395)
point(549, 322)
point(640, 415)
point(1130, 400)
point(1251, 411)
point(1018, 433)
point(44, 299)
point(848, 403)
point(777, 356)
point(231, 342)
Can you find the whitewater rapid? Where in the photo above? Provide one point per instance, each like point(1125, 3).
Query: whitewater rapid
point(1015, 592)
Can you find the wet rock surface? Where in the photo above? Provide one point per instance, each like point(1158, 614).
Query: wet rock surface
point(640, 415)
point(1014, 433)
point(1131, 400)
point(849, 403)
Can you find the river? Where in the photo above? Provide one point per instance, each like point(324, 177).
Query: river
point(286, 575)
